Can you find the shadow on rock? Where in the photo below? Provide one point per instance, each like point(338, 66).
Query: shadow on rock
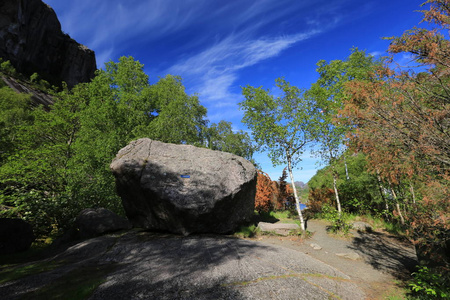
point(386, 253)
point(144, 265)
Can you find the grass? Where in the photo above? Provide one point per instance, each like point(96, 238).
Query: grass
point(284, 216)
point(246, 231)
point(379, 224)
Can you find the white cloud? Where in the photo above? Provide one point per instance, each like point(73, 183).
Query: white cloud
point(216, 68)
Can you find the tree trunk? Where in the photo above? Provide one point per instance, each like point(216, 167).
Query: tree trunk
point(411, 188)
point(338, 203)
point(297, 202)
point(382, 193)
point(397, 206)
point(346, 169)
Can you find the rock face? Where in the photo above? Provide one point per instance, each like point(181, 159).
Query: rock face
point(16, 235)
point(184, 189)
point(93, 222)
point(278, 228)
point(31, 38)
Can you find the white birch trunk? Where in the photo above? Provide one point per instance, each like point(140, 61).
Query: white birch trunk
point(397, 206)
point(346, 169)
point(297, 201)
point(411, 188)
point(338, 203)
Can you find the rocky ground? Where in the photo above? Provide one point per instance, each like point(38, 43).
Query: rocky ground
point(376, 261)
point(143, 265)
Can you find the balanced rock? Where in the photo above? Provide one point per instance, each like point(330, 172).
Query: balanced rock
point(16, 235)
point(92, 222)
point(184, 189)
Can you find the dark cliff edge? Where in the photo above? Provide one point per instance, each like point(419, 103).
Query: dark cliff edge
point(37, 97)
point(32, 40)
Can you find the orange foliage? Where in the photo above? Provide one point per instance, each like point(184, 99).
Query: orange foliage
point(402, 123)
point(319, 197)
point(264, 191)
point(268, 193)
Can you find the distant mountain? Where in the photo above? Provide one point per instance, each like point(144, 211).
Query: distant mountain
point(300, 184)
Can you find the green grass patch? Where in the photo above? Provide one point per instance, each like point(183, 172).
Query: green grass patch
point(246, 231)
point(285, 216)
point(75, 285)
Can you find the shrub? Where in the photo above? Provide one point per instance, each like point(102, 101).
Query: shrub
point(428, 284)
point(339, 222)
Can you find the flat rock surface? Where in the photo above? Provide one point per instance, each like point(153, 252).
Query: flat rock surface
point(156, 266)
point(278, 228)
point(381, 259)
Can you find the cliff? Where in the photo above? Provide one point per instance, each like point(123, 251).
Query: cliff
point(32, 39)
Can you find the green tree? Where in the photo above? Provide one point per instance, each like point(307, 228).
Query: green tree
point(14, 112)
point(35, 176)
point(281, 125)
point(180, 118)
point(118, 110)
point(222, 137)
point(329, 92)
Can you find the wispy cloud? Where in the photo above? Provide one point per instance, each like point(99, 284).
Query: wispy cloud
point(232, 35)
point(217, 68)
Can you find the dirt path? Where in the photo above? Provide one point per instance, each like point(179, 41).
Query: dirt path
point(377, 260)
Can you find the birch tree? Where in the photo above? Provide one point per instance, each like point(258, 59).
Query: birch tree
point(282, 125)
point(329, 93)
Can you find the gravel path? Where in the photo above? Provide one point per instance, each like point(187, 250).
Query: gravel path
point(377, 260)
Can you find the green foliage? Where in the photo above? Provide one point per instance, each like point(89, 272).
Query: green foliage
point(427, 284)
point(54, 161)
point(34, 78)
point(339, 222)
point(222, 137)
point(358, 194)
point(15, 112)
point(180, 117)
point(246, 231)
point(281, 125)
point(7, 68)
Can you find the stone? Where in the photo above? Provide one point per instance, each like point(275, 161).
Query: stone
point(184, 189)
point(315, 246)
point(16, 235)
point(278, 228)
point(349, 255)
point(32, 40)
point(93, 222)
point(362, 226)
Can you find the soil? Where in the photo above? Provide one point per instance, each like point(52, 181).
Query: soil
point(383, 261)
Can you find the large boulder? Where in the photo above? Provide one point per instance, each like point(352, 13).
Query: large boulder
point(92, 222)
point(184, 189)
point(16, 235)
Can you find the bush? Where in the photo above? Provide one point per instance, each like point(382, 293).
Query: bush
point(339, 222)
point(428, 284)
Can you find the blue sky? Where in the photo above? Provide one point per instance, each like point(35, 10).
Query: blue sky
point(218, 46)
